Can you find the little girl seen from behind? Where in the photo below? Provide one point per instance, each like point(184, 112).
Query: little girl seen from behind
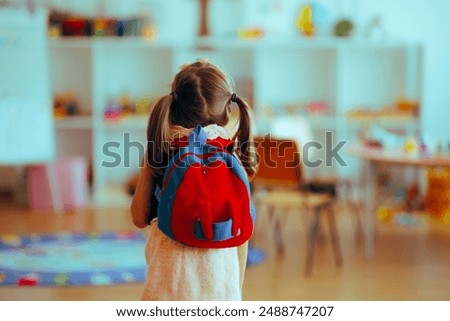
point(199, 103)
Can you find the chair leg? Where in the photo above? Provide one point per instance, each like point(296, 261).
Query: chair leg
point(277, 236)
point(312, 240)
point(321, 237)
point(357, 224)
point(334, 236)
point(275, 226)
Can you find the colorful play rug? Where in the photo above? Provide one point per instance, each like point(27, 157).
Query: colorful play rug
point(69, 259)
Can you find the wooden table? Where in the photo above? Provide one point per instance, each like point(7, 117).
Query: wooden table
point(373, 158)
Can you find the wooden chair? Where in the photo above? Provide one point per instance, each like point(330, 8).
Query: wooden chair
point(278, 184)
point(299, 129)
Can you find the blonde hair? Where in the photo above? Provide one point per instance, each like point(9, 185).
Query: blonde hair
point(201, 95)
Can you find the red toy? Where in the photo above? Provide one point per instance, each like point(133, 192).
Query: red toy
point(28, 280)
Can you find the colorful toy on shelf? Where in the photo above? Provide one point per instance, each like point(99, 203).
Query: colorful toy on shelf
point(400, 110)
point(133, 26)
point(411, 146)
point(149, 32)
point(317, 108)
point(112, 112)
point(320, 18)
point(144, 105)
point(312, 108)
point(430, 146)
point(437, 197)
point(54, 24)
point(424, 149)
point(53, 31)
point(408, 107)
point(127, 105)
point(65, 104)
point(293, 108)
point(73, 26)
point(343, 28)
point(120, 28)
point(250, 33)
point(360, 113)
point(305, 21)
point(69, 24)
point(100, 27)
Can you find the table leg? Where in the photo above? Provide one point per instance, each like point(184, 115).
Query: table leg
point(369, 211)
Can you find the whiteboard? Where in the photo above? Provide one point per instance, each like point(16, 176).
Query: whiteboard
point(26, 123)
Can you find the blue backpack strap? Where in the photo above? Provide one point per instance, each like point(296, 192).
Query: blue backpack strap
point(197, 139)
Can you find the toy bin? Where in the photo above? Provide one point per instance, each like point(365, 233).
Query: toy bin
point(437, 198)
point(71, 184)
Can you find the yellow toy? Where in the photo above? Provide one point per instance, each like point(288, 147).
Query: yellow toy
point(305, 22)
point(126, 104)
point(411, 146)
point(385, 214)
point(144, 105)
point(250, 33)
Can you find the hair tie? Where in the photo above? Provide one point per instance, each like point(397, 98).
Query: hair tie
point(234, 97)
point(174, 95)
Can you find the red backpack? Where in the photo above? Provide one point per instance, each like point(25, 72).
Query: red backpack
point(205, 200)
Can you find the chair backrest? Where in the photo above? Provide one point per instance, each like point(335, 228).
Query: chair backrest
point(299, 129)
point(279, 163)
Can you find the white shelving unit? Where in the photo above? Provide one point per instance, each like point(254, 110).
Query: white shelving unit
point(342, 73)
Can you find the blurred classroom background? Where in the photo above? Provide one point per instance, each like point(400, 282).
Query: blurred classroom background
point(365, 215)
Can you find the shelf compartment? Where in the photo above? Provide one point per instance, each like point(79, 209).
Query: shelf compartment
point(136, 71)
point(379, 77)
point(295, 76)
point(71, 71)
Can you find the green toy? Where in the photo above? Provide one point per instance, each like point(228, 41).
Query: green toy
point(343, 28)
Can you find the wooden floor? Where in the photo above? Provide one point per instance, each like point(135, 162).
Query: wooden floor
point(409, 263)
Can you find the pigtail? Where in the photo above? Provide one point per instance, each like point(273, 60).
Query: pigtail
point(245, 147)
point(158, 134)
